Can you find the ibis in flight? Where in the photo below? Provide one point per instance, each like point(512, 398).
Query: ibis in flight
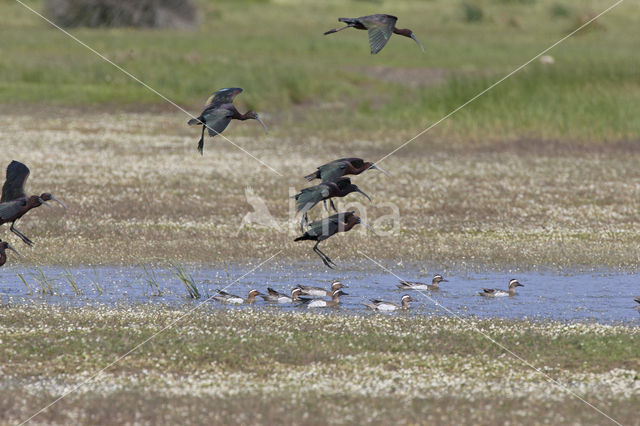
point(334, 170)
point(309, 197)
point(218, 113)
point(15, 202)
point(321, 230)
point(379, 26)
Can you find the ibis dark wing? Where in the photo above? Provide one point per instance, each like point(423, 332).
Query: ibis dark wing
point(380, 28)
point(10, 209)
point(327, 226)
point(223, 96)
point(13, 188)
point(333, 171)
point(216, 119)
point(343, 183)
point(309, 197)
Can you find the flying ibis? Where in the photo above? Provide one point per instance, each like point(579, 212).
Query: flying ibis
point(379, 26)
point(334, 170)
point(15, 203)
point(218, 113)
point(309, 197)
point(320, 230)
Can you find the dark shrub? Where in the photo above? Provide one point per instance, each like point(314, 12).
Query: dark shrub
point(122, 13)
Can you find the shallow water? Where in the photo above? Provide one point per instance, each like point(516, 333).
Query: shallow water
point(601, 297)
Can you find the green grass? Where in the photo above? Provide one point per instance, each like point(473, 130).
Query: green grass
point(304, 81)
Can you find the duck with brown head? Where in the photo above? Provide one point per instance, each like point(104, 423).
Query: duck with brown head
point(413, 285)
point(320, 303)
point(231, 299)
point(319, 291)
point(492, 292)
point(15, 203)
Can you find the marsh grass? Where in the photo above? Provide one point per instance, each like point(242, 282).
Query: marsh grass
point(152, 281)
point(417, 364)
point(40, 277)
point(96, 282)
point(72, 281)
point(186, 280)
point(24, 281)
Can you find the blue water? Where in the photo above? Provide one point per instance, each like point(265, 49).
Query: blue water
point(600, 297)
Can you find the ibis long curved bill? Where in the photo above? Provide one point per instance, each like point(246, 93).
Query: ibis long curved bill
point(263, 125)
point(14, 250)
point(413, 37)
point(44, 203)
point(363, 193)
point(375, 167)
point(369, 227)
point(64, 206)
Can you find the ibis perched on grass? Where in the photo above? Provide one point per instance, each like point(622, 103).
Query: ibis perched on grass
point(334, 170)
point(15, 203)
point(379, 26)
point(309, 197)
point(320, 230)
point(218, 113)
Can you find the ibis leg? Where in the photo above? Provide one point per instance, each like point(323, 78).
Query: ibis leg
point(23, 237)
point(201, 141)
point(333, 206)
point(324, 203)
point(336, 30)
point(325, 259)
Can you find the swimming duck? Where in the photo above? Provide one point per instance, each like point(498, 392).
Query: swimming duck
point(319, 291)
point(276, 296)
point(492, 292)
point(319, 303)
point(413, 285)
point(381, 305)
point(232, 299)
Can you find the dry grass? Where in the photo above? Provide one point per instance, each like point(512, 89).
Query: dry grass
point(138, 192)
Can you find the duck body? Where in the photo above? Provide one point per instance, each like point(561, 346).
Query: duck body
point(384, 306)
point(320, 303)
point(414, 285)
point(231, 299)
point(319, 291)
point(492, 292)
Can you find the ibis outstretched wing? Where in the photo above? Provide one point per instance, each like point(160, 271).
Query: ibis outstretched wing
point(380, 28)
point(13, 188)
point(223, 96)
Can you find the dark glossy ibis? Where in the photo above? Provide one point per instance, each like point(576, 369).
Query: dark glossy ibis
point(309, 197)
point(334, 170)
point(320, 230)
point(379, 26)
point(15, 203)
point(218, 113)
point(3, 255)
